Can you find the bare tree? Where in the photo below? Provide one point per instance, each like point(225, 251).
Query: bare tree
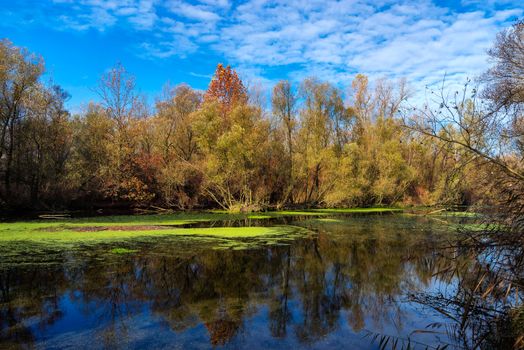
point(505, 80)
point(116, 88)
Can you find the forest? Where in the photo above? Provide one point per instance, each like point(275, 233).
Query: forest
point(239, 148)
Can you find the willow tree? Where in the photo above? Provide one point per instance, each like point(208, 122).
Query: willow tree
point(235, 158)
point(176, 145)
point(316, 139)
point(284, 101)
point(234, 140)
point(372, 168)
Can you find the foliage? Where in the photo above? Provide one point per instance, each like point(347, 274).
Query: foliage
point(217, 149)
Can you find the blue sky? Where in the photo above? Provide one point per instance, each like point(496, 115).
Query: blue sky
point(182, 41)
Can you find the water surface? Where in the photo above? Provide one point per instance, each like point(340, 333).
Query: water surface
point(352, 279)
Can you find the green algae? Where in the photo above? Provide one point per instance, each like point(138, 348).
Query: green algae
point(297, 213)
point(259, 217)
point(329, 220)
point(358, 210)
point(176, 219)
point(26, 250)
point(476, 227)
point(458, 214)
point(56, 227)
point(56, 235)
point(120, 250)
point(69, 235)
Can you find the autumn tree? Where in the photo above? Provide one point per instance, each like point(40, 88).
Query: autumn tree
point(315, 140)
point(35, 133)
point(179, 178)
point(226, 88)
point(43, 157)
point(117, 91)
point(175, 110)
point(19, 75)
point(91, 155)
point(284, 103)
point(373, 167)
point(127, 178)
point(236, 157)
point(484, 130)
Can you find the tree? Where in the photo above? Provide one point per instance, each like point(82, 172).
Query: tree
point(315, 139)
point(175, 111)
point(116, 89)
point(236, 158)
point(486, 134)
point(179, 178)
point(91, 156)
point(47, 147)
point(373, 168)
point(505, 80)
point(284, 108)
point(19, 74)
point(128, 177)
point(226, 88)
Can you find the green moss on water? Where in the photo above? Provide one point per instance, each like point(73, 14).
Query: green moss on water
point(475, 227)
point(458, 214)
point(93, 230)
point(122, 251)
point(176, 219)
point(68, 235)
point(297, 213)
point(329, 220)
point(259, 217)
point(358, 210)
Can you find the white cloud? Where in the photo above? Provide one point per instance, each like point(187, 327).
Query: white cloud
point(192, 12)
point(419, 39)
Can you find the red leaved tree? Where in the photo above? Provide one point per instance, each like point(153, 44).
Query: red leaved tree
point(226, 88)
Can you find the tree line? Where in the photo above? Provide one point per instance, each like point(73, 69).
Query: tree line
point(314, 144)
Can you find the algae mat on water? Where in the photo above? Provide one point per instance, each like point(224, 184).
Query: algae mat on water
point(68, 233)
point(180, 218)
point(38, 246)
point(71, 234)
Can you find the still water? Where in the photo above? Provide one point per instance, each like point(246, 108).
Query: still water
point(337, 288)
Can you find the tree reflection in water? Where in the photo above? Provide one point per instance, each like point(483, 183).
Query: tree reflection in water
point(353, 277)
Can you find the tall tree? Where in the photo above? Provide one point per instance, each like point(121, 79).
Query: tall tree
point(19, 74)
point(226, 88)
point(284, 102)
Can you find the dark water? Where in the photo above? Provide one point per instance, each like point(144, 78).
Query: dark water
point(337, 289)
